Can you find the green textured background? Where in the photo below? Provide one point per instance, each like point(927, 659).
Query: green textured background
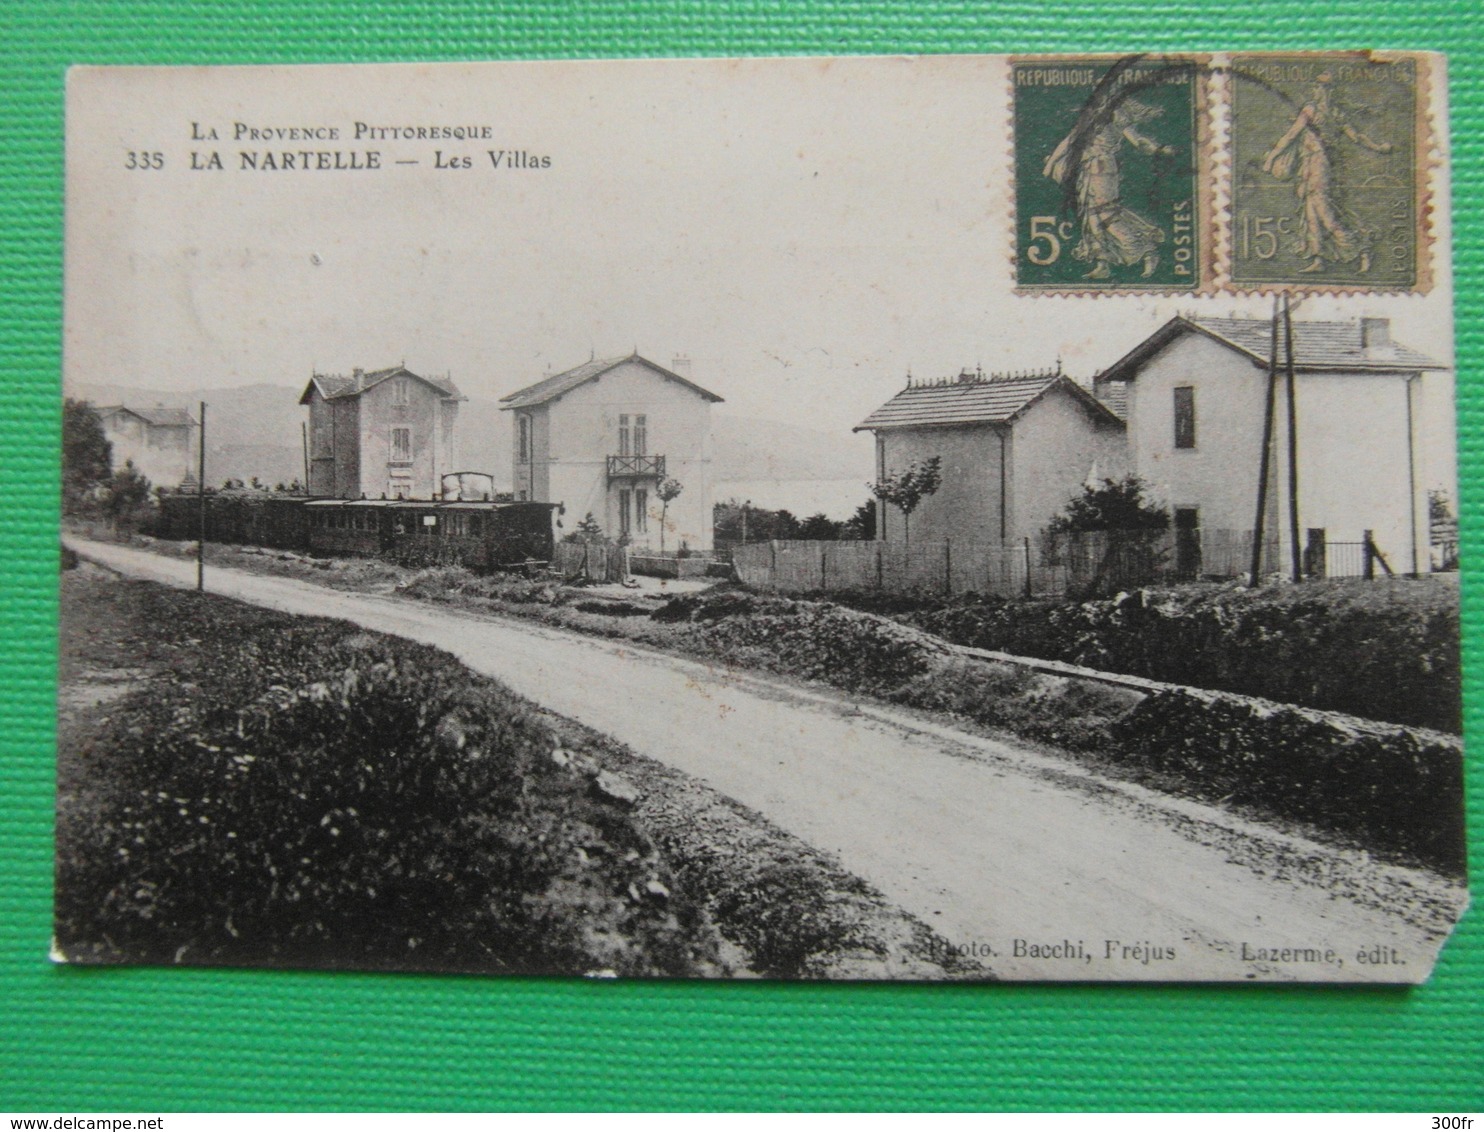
point(83, 1040)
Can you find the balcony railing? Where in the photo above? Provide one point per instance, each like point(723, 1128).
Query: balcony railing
point(636, 466)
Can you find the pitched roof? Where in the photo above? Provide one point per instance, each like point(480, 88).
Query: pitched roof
point(1317, 346)
point(550, 388)
point(976, 399)
point(156, 415)
point(335, 385)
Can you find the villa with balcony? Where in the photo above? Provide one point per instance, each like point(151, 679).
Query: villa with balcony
point(601, 437)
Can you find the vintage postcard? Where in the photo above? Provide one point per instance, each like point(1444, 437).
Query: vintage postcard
point(957, 518)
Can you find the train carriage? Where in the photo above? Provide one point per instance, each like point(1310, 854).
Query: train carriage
point(480, 536)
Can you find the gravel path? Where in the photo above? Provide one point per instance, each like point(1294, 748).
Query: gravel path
point(1039, 869)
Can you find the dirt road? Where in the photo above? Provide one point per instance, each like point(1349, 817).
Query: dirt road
point(1041, 869)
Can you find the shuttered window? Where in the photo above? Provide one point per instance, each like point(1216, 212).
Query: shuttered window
point(1184, 416)
point(401, 445)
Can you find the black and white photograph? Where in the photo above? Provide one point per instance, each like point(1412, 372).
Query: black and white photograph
point(955, 518)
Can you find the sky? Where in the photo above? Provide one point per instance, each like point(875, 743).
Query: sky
point(806, 231)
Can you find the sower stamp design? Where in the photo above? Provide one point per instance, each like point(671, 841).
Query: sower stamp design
point(1108, 173)
point(1326, 185)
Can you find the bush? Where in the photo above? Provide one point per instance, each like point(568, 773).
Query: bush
point(314, 795)
point(1382, 650)
point(1396, 788)
point(438, 582)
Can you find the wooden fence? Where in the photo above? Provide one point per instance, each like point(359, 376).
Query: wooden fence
point(1083, 563)
point(944, 566)
point(593, 561)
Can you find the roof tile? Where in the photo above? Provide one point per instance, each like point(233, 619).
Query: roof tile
point(978, 400)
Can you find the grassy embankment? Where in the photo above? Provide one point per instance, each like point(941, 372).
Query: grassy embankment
point(238, 786)
point(1390, 789)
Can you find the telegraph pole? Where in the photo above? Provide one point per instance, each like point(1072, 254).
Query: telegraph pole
point(1267, 445)
point(1293, 507)
point(201, 507)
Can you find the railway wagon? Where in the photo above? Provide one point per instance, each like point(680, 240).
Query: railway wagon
point(244, 518)
point(480, 536)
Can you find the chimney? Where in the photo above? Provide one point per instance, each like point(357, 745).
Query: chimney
point(965, 376)
point(1375, 333)
point(358, 375)
point(680, 367)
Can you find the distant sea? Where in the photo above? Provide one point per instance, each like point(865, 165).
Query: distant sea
point(838, 499)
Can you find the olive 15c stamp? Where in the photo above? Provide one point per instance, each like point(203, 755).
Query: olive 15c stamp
point(1110, 168)
point(1328, 155)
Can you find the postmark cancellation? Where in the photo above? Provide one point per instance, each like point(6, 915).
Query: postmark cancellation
point(1199, 174)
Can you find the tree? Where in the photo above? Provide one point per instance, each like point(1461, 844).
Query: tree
point(862, 525)
point(904, 490)
point(667, 489)
point(1121, 522)
point(819, 528)
point(127, 500)
point(87, 457)
point(1443, 530)
point(1111, 505)
point(587, 531)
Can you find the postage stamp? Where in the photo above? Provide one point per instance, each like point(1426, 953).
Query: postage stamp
point(1328, 155)
point(1110, 171)
point(395, 634)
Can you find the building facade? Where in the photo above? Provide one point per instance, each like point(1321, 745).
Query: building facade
point(603, 437)
point(160, 442)
point(387, 434)
point(1015, 449)
point(1197, 393)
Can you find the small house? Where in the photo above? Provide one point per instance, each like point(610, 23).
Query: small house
point(387, 434)
point(603, 437)
point(159, 441)
point(1197, 396)
point(1014, 449)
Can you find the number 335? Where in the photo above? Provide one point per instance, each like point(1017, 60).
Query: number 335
point(140, 159)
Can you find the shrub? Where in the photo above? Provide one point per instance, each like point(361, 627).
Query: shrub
point(1397, 788)
point(311, 794)
point(1382, 650)
point(438, 582)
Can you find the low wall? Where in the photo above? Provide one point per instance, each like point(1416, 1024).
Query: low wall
point(666, 566)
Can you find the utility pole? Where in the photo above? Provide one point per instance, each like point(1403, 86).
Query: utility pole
point(201, 506)
point(1267, 445)
point(1293, 482)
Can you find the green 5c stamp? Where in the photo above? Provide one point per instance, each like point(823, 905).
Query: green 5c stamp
point(1327, 176)
point(1109, 173)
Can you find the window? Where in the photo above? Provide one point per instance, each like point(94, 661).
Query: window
point(401, 446)
point(1184, 416)
point(398, 489)
point(523, 444)
point(641, 435)
point(641, 505)
point(623, 435)
point(625, 498)
point(399, 391)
